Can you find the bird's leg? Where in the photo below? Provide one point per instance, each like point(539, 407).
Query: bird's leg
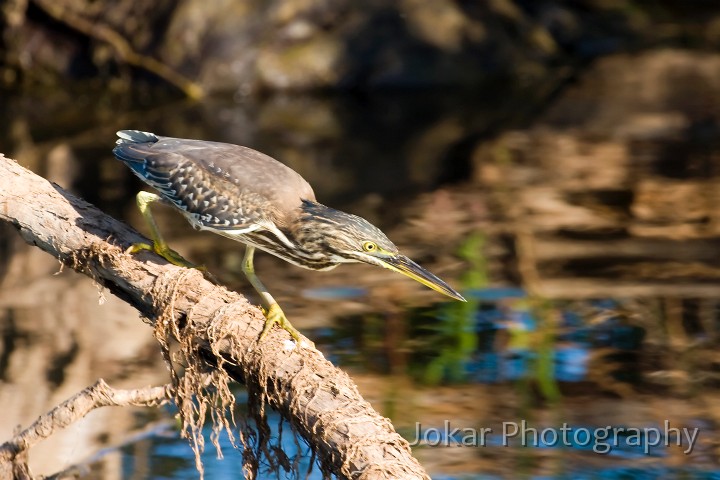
point(273, 312)
point(144, 199)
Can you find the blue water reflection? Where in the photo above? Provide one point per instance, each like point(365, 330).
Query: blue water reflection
point(573, 338)
point(166, 455)
point(497, 337)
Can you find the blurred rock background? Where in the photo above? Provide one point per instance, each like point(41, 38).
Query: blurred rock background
point(249, 46)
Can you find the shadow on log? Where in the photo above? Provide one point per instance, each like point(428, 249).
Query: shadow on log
point(217, 331)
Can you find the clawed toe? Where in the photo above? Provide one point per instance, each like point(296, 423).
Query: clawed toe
point(167, 253)
point(275, 315)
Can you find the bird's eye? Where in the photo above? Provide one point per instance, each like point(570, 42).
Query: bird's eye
point(369, 246)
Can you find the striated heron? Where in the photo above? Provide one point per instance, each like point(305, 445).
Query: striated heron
point(250, 197)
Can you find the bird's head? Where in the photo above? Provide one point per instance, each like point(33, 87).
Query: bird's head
point(348, 238)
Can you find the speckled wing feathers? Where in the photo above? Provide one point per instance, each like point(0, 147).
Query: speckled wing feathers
point(218, 185)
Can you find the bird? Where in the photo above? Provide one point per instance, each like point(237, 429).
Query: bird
point(250, 197)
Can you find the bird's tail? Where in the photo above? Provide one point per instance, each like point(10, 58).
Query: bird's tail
point(135, 136)
point(132, 148)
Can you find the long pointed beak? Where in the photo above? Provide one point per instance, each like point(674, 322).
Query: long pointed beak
point(402, 264)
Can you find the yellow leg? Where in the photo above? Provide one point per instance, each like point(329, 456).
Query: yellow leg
point(144, 199)
point(273, 312)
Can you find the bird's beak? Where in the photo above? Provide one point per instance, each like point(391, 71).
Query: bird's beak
point(402, 264)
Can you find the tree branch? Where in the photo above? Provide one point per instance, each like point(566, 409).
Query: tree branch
point(320, 401)
point(12, 453)
point(122, 47)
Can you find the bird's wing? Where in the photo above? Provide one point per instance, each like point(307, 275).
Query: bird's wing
point(218, 185)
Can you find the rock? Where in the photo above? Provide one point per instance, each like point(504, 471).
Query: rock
point(310, 64)
point(640, 96)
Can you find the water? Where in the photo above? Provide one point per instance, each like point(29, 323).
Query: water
point(590, 269)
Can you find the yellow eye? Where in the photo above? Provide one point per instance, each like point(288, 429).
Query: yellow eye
point(369, 246)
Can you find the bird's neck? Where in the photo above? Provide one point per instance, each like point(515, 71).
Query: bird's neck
point(307, 228)
point(309, 233)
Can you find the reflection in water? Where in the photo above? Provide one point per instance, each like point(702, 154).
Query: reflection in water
point(60, 333)
point(588, 257)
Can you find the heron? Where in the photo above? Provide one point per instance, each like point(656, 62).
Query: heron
point(250, 197)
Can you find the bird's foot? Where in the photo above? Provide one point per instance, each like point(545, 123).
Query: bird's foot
point(166, 252)
point(275, 315)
